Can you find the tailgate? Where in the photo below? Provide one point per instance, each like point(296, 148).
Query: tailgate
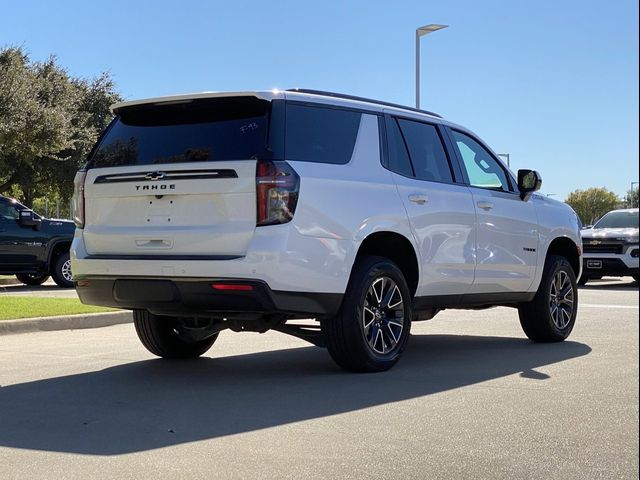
point(206, 209)
point(177, 179)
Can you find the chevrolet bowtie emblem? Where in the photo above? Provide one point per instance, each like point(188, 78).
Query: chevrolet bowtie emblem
point(155, 175)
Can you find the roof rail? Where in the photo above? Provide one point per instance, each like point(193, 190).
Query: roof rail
point(360, 99)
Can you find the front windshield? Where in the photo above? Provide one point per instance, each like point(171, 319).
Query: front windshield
point(618, 220)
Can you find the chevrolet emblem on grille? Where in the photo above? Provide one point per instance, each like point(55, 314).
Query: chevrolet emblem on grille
point(155, 175)
point(595, 242)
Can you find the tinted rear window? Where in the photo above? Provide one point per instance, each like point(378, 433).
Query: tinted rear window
point(427, 153)
point(323, 135)
point(228, 128)
point(398, 156)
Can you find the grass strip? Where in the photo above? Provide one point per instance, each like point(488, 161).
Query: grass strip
point(13, 307)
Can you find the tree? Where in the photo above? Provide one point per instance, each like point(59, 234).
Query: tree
point(631, 199)
point(33, 116)
point(48, 123)
point(91, 116)
point(592, 203)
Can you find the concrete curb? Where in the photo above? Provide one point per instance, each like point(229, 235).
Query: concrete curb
point(71, 322)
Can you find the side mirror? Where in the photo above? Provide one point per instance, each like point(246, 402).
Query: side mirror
point(29, 219)
point(529, 181)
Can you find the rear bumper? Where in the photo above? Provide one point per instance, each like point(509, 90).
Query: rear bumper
point(197, 297)
point(278, 255)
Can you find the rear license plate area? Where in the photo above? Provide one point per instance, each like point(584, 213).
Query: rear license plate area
point(145, 291)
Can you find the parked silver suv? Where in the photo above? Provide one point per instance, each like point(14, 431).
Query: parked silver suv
point(247, 211)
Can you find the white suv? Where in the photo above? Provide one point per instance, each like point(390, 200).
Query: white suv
point(611, 246)
point(245, 211)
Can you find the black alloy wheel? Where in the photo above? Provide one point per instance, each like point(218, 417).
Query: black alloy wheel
point(371, 329)
point(551, 315)
point(383, 316)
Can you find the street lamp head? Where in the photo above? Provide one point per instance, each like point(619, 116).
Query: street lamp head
point(427, 29)
point(432, 27)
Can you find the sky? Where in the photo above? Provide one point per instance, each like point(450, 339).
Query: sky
point(552, 83)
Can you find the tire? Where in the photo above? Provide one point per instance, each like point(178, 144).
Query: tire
point(32, 279)
point(158, 335)
point(583, 280)
point(61, 272)
point(358, 340)
point(550, 316)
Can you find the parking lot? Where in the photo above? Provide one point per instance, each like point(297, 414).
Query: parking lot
point(47, 289)
point(472, 398)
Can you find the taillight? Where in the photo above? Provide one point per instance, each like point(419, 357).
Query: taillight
point(78, 198)
point(232, 287)
point(277, 188)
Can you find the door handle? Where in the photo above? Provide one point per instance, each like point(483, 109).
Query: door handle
point(418, 198)
point(485, 205)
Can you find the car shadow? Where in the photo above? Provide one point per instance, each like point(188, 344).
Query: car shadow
point(22, 289)
point(614, 284)
point(156, 403)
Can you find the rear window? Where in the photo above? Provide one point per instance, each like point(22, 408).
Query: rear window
point(322, 135)
point(227, 128)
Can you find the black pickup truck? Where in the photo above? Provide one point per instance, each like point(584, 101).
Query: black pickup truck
point(32, 247)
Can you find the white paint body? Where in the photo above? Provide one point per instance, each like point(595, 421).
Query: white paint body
point(460, 247)
point(628, 235)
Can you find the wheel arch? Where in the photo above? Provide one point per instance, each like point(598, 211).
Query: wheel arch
point(397, 248)
point(56, 248)
point(566, 247)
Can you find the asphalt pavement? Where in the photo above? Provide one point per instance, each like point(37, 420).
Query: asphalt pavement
point(47, 289)
point(472, 398)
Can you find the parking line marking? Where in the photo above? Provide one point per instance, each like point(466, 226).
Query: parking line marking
point(596, 305)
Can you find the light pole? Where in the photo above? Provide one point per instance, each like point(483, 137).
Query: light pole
point(426, 30)
point(505, 155)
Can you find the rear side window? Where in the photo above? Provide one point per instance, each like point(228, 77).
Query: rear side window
point(227, 128)
point(398, 156)
point(322, 135)
point(427, 153)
